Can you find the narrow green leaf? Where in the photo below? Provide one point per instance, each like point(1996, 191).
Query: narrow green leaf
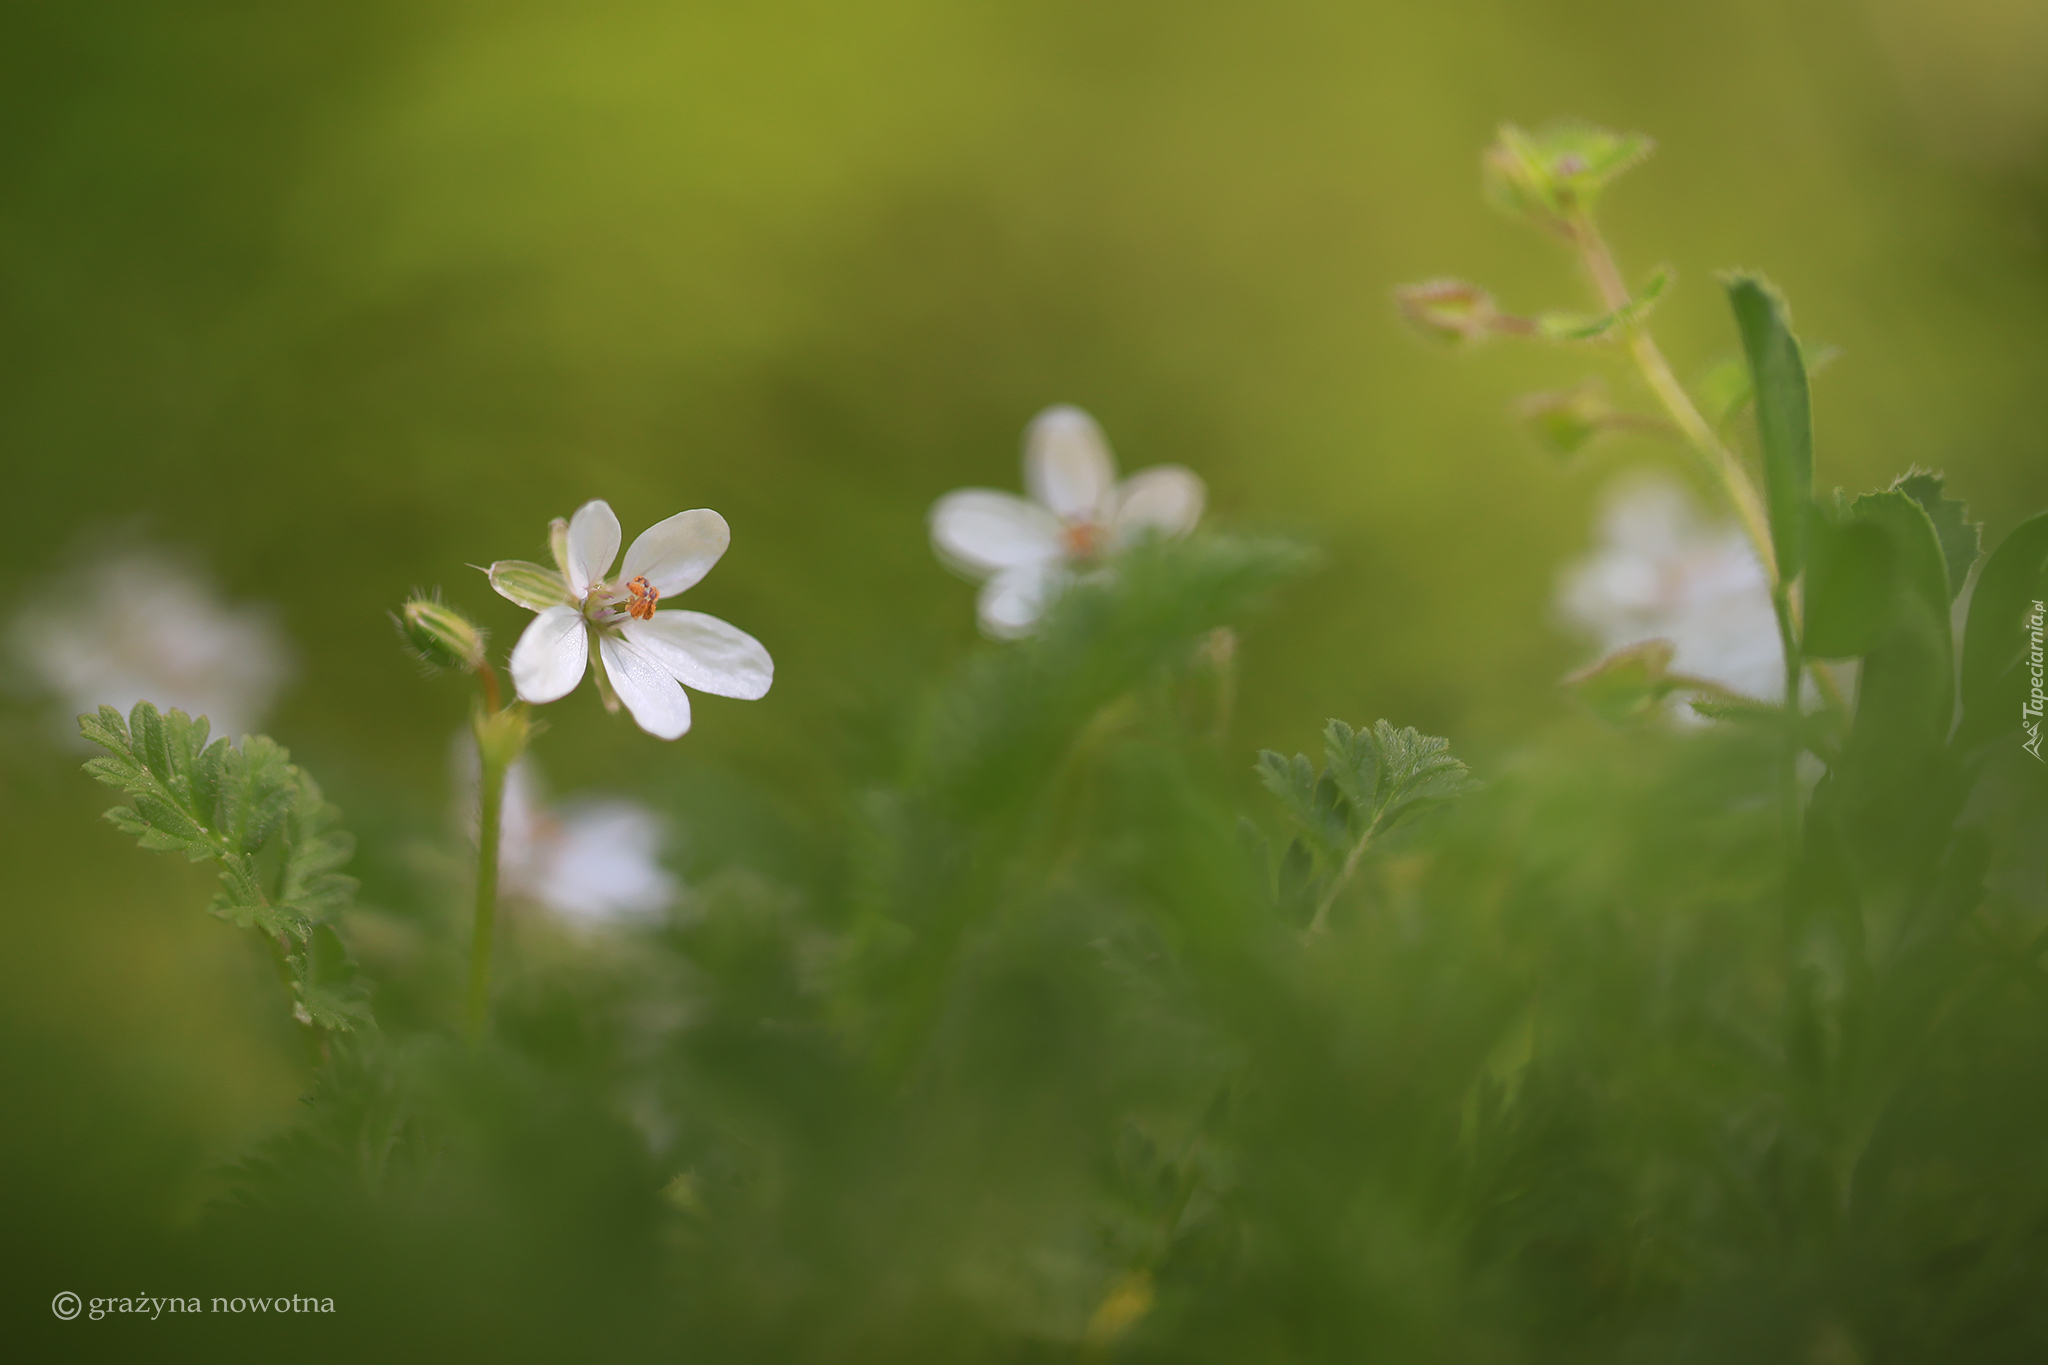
point(1783, 416)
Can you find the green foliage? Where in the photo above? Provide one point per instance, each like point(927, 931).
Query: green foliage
point(1961, 539)
point(1996, 640)
point(263, 820)
point(1372, 781)
point(1783, 419)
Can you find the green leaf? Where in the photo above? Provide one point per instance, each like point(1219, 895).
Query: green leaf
point(324, 978)
point(1724, 390)
point(1999, 638)
point(1961, 539)
point(263, 821)
point(1783, 416)
point(1906, 696)
point(1306, 798)
point(1598, 327)
point(1848, 585)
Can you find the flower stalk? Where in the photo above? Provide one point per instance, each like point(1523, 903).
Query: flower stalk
point(501, 737)
point(1719, 462)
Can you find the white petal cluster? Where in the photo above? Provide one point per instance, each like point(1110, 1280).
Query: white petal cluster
point(648, 653)
point(1663, 572)
point(1024, 550)
point(140, 626)
point(590, 861)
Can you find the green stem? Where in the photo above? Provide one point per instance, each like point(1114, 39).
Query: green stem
point(1342, 879)
point(1715, 457)
point(490, 804)
point(1788, 641)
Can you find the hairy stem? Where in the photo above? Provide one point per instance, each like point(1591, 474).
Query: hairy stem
point(1341, 880)
point(1719, 462)
point(490, 804)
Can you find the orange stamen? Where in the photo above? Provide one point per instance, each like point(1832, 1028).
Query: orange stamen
point(1084, 540)
point(645, 595)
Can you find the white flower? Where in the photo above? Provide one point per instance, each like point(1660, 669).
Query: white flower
point(1027, 549)
point(141, 627)
point(590, 860)
point(647, 654)
point(1663, 573)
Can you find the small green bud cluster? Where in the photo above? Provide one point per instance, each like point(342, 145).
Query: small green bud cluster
point(1553, 176)
point(441, 637)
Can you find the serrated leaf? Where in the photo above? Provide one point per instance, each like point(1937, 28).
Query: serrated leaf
point(1784, 417)
point(329, 990)
point(1961, 539)
point(150, 747)
point(1353, 764)
point(235, 806)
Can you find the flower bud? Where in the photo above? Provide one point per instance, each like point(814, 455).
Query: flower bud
point(1553, 175)
point(441, 636)
point(1454, 311)
point(558, 544)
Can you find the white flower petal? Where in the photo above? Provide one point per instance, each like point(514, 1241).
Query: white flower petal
point(603, 862)
point(674, 554)
point(1013, 600)
point(548, 661)
point(1067, 464)
point(705, 653)
point(593, 545)
point(979, 530)
point(649, 691)
point(1165, 498)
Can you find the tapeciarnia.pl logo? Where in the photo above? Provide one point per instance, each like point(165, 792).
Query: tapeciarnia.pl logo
point(2030, 709)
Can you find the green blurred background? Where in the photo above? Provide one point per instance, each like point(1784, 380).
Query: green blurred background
point(341, 298)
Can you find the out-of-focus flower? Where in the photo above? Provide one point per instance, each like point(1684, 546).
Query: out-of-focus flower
point(1662, 572)
point(589, 860)
point(647, 655)
point(1024, 550)
point(141, 626)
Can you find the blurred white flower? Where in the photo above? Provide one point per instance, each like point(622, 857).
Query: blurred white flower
point(1662, 572)
point(1026, 549)
point(647, 655)
point(590, 860)
point(140, 626)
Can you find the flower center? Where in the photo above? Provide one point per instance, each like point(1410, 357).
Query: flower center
point(645, 595)
point(1083, 540)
